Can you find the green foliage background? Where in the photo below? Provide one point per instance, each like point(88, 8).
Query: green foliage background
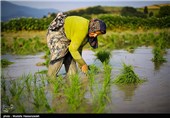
point(126, 18)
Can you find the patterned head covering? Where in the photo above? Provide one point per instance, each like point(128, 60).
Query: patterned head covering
point(96, 25)
point(58, 22)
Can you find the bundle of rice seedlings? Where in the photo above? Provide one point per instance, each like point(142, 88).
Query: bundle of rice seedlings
point(158, 55)
point(103, 56)
point(127, 76)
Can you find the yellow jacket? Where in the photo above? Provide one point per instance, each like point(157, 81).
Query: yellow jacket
point(76, 30)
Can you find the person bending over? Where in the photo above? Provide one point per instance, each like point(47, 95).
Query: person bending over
point(66, 37)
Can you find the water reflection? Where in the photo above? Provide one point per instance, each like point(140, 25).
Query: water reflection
point(157, 65)
point(128, 89)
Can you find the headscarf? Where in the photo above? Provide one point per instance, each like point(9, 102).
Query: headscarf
point(96, 25)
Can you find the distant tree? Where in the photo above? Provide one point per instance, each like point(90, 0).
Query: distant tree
point(88, 11)
point(150, 14)
point(145, 11)
point(53, 15)
point(164, 11)
point(81, 12)
point(130, 11)
point(95, 10)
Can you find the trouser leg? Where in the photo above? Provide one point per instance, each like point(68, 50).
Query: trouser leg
point(53, 69)
point(70, 65)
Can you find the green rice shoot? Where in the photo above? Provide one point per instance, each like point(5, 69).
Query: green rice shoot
point(5, 63)
point(127, 76)
point(103, 56)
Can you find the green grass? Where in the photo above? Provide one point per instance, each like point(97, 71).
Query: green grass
point(128, 40)
point(24, 47)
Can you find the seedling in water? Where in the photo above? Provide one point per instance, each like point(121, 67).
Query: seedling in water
point(103, 56)
point(5, 63)
point(127, 76)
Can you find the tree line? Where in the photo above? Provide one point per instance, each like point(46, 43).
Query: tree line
point(129, 18)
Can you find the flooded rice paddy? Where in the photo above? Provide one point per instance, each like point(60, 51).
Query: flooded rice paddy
point(152, 96)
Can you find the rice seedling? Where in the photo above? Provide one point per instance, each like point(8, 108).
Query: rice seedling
point(5, 63)
point(101, 99)
point(42, 72)
point(103, 56)
point(56, 84)
point(107, 75)
point(130, 49)
point(40, 101)
point(32, 91)
point(23, 90)
point(159, 49)
point(103, 94)
point(158, 55)
point(16, 95)
point(16, 90)
point(92, 84)
point(22, 46)
point(73, 93)
point(127, 76)
point(5, 99)
point(93, 70)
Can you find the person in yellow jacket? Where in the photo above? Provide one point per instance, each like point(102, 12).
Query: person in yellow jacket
point(66, 37)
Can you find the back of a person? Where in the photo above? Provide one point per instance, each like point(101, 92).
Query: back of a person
point(75, 25)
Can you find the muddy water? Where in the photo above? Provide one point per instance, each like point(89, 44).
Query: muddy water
point(152, 96)
point(23, 65)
